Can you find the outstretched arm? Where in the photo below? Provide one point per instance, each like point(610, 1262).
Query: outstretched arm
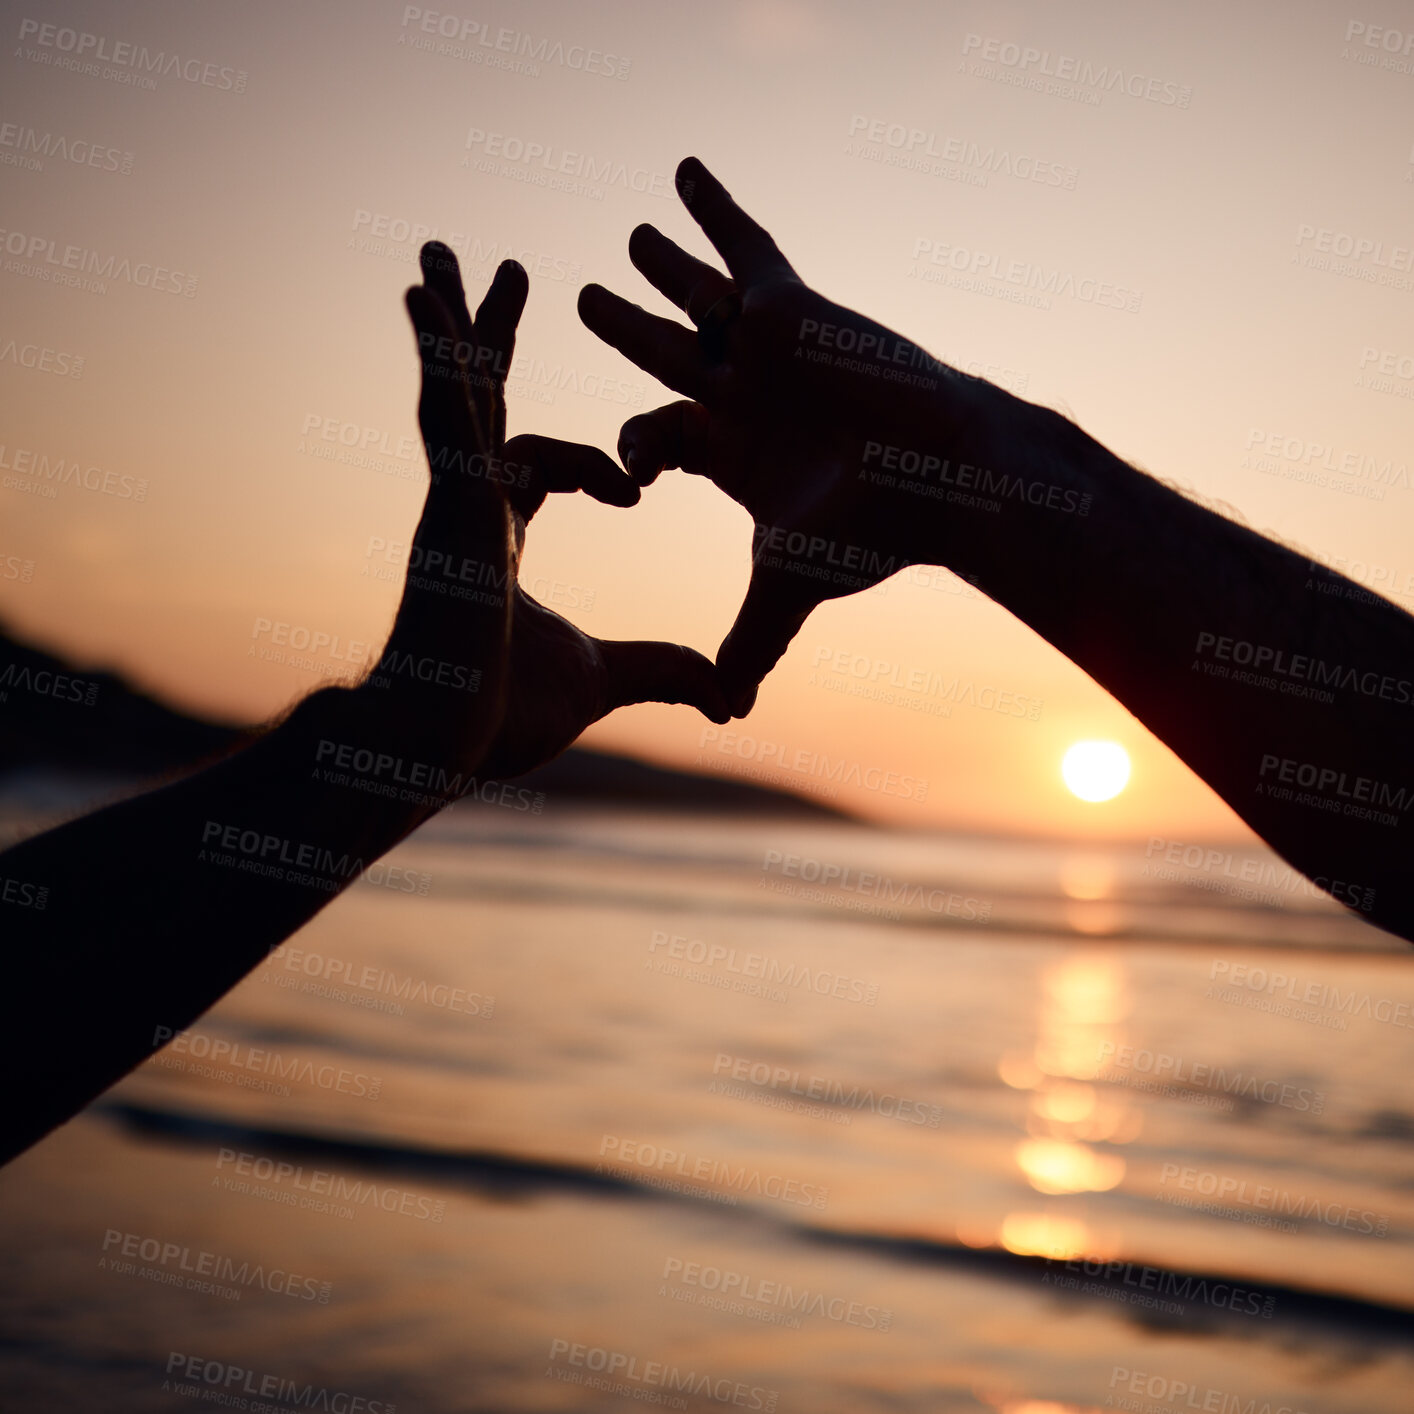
point(857, 454)
point(158, 905)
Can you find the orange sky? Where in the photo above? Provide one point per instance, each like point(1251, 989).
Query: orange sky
point(1230, 155)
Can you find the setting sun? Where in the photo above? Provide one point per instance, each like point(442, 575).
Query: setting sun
point(1096, 770)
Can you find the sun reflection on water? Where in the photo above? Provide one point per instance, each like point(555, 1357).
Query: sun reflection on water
point(1085, 1002)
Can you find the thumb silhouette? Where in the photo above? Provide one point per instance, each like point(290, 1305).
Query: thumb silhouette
point(643, 671)
point(771, 615)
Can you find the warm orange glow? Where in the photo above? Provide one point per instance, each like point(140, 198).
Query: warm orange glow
point(1085, 998)
point(1045, 1235)
point(1054, 1166)
point(1067, 1103)
point(1019, 1071)
point(1088, 876)
point(1042, 1406)
point(1096, 770)
point(270, 514)
point(1096, 917)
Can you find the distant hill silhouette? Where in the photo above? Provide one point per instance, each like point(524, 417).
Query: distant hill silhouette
point(61, 718)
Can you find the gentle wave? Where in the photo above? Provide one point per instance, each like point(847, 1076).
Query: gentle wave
point(498, 1174)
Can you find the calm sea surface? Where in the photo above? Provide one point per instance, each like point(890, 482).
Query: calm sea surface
point(598, 1110)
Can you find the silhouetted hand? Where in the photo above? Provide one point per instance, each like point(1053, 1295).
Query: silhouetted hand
point(541, 680)
point(794, 399)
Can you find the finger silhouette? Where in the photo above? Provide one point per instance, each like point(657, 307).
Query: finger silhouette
point(534, 466)
point(642, 671)
point(691, 284)
point(748, 249)
point(448, 420)
point(772, 613)
point(668, 437)
point(442, 275)
point(484, 347)
point(658, 346)
point(464, 517)
point(494, 335)
point(500, 312)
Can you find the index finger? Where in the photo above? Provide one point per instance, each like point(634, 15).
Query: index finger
point(499, 313)
point(748, 249)
point(658, 346)
point(442, 274)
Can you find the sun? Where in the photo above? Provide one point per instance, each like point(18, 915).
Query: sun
point(1096, 770)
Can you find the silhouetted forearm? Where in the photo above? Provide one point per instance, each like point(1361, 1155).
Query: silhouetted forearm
point(1289, 691)
point(155, 907)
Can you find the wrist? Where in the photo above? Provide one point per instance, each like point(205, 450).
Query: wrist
point(387, 753)
point(1018, 481)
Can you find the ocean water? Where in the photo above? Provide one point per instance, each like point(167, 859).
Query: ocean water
point(595, 1110)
